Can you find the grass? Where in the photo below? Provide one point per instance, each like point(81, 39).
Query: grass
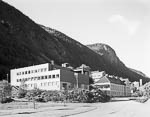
point(28, 105)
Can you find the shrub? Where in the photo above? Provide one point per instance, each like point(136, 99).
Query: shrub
point(7, 100)
point(76, 95)
point(22, 93)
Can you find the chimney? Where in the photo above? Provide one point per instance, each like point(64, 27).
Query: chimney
point(52, 62)
point(140, 82)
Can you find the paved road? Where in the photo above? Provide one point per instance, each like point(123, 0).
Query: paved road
point(109, 109)
point(118, 109)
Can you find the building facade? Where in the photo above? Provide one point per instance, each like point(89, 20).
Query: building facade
point(113, 86)
point(48, 77)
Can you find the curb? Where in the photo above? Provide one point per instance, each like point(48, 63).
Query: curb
point(94, 108)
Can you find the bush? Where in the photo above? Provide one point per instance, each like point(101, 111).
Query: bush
point(142, 99)
point(7, 100)
point(21, 93)
point(76, 95)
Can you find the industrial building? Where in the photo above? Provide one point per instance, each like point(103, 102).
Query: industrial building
point(114, 86)
point(49, 76)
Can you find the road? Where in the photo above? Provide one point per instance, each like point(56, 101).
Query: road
point(118, 109)
point(109, 109)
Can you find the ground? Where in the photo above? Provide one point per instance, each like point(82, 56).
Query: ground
point(124, 108)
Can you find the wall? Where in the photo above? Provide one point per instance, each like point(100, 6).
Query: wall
point(68, 76)
point(32, 71)
point(117, 90)
point(37, 79)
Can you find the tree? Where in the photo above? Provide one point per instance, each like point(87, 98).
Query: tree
point(22, 90)
point(5, 91)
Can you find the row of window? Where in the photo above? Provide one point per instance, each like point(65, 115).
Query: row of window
point(103, 86)
point(43, 84)
point(32, 71)
point(117, 87)
point(118, 93)
point(38, 78)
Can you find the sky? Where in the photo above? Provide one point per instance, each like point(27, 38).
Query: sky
point(122, 24)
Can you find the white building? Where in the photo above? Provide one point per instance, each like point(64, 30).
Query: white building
point(96, 75)
point(48, 77)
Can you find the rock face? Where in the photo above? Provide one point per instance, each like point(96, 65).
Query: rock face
point(24, 43)
point(116, 65)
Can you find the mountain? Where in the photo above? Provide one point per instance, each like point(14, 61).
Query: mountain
point(138, 72)
point(24, 43)
point(116, 65)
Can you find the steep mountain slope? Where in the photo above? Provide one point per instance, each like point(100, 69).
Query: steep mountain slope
point(110, 57)
point(24, 43)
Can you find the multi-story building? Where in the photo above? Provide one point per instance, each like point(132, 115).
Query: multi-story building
point(48, 76)
point(114, 86)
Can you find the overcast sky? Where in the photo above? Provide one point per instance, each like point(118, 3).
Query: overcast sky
point(122, 24)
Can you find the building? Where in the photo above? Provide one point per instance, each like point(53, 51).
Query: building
point(96, 75)
point(113, 86)
point(48, 76)
point(83, 69)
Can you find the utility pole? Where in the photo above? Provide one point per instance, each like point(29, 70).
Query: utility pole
point(7, 77)
point(76, 76)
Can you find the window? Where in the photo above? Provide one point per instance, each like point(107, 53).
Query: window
point(25, 79)
point(28, 72)
point(45, 77)
point(35, 85)
point(57, 82)
point(38, 70)
point(32, 78)
point(57, 76)
point(38, 78)
point(25, 85)
point(41, 70)
point(49, 83)
point(49, 76)
point(35, 71)
point(25, 72)
point(45, 69)
point(17, 80)
point(22, 73)
point(53, 76)
point(41, 84)
point(42, 77)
